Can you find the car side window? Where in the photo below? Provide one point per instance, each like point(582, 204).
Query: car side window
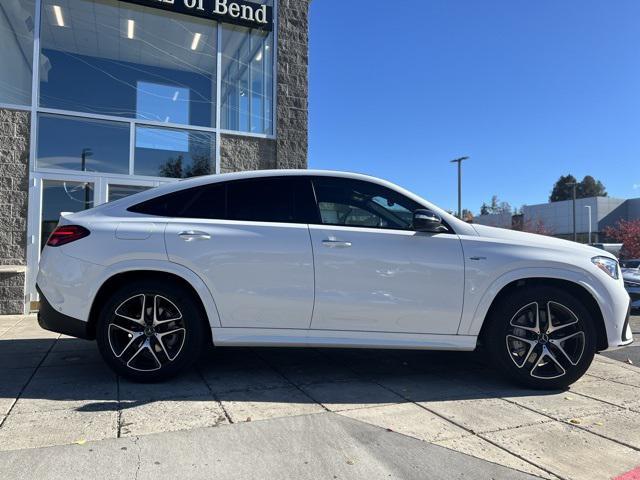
point(356, 203)
point(205, 201)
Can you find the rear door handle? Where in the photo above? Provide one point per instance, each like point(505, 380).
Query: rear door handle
point(192, 235)
point(333, 243)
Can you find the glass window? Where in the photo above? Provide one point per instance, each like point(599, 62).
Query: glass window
point(207, 201)
point(166, 152)
point(116, 192)
point(80, 144)
point(283, 200)
point(247, 80)
point(114, 58)
point(362, 204)
point(16, 55)
point(59, 196)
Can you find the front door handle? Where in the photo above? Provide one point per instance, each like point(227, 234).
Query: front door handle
point(333, 243)
point(191, 235)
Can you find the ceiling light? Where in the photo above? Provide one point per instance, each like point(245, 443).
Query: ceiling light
point(259, 56)
point(131, 25)
point(196, 41)
point(175, 95)
point(58, 13)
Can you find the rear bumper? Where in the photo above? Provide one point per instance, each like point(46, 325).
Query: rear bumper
point(50, 319)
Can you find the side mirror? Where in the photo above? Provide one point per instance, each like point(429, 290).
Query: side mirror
point(427, 221)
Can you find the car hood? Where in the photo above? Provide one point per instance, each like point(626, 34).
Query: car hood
point(515, 237)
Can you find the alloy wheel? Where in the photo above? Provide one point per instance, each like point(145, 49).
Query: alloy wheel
point(146, 332)
point(545, 339)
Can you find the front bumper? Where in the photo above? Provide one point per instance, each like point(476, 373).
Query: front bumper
point(50, 319)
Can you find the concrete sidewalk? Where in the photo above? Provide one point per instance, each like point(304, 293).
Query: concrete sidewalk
point(57, 391)
point(323, 445)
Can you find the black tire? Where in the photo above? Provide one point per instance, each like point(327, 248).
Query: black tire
point(541, 360)
point(170, 340)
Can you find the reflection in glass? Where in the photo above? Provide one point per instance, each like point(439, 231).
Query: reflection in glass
point(166, 152)
point(16, 51)
point(120, 59)
point(116, 192)
point(59, 196)
point(79, 144)
point(247, 80)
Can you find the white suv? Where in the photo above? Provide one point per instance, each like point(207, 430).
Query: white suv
point(323, 259)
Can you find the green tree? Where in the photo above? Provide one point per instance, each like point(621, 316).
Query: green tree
point(562, 189)
point(588, 187)
point(496, 206)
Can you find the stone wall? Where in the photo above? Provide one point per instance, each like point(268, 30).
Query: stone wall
point(293, 90)
point(14, 181)
point(246, 153)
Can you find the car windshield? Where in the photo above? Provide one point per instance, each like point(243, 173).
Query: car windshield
point(630, 264)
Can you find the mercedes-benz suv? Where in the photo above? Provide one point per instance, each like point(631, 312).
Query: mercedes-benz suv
point(322, 259)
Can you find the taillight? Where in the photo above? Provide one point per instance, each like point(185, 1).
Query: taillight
point(67, 234)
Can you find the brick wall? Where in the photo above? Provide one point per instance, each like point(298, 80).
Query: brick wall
point(246, 153)
point(293, 90)
point(14, 180)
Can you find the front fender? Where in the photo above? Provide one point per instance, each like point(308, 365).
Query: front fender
point(474, 313)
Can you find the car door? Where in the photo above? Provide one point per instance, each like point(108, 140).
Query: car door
point(373, 272)
point(249, 242)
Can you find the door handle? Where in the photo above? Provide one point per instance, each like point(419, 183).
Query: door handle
point(191, 235)
point(333, 243)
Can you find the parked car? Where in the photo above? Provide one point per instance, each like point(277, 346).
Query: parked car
point(631, 266)
point(631, 279)
point(322, 259)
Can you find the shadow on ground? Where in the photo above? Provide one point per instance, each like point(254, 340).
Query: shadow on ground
point(71, 373)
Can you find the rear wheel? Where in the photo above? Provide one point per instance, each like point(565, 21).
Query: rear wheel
point(150, 331)
point(542, 337)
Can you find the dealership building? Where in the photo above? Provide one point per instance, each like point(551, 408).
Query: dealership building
point(100, 99)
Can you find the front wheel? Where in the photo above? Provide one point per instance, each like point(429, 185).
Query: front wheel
point(149, 331)
point(542, 337)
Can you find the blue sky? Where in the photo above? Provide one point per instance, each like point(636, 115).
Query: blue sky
point(529, 89)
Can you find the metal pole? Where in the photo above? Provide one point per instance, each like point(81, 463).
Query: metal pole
point(589, 208)
point(573, 195)
point(459, 189)
point(459, 162)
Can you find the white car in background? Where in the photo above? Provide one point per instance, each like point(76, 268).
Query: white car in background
point(322, 259)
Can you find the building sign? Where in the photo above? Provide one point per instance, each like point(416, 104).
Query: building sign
point(239, 12)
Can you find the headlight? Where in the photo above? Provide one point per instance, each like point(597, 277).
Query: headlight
point(607, 265)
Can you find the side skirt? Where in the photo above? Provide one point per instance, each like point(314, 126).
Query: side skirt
point(273, 337)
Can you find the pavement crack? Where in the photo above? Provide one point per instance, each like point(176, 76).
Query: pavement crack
point(139, 461)
point(215, 396)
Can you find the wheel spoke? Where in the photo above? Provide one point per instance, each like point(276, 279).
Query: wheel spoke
point(559, 344)
point(139, 320)
point(146, 345)
point(536, 327)
point(133, 336)
point(160, 339)
point(158, 311)
point(540, 364)
point(551, 328)
point(513, 351)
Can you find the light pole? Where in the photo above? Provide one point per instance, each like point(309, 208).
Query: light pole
point(589, 208)
point(574, 185)
point(459, 162)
